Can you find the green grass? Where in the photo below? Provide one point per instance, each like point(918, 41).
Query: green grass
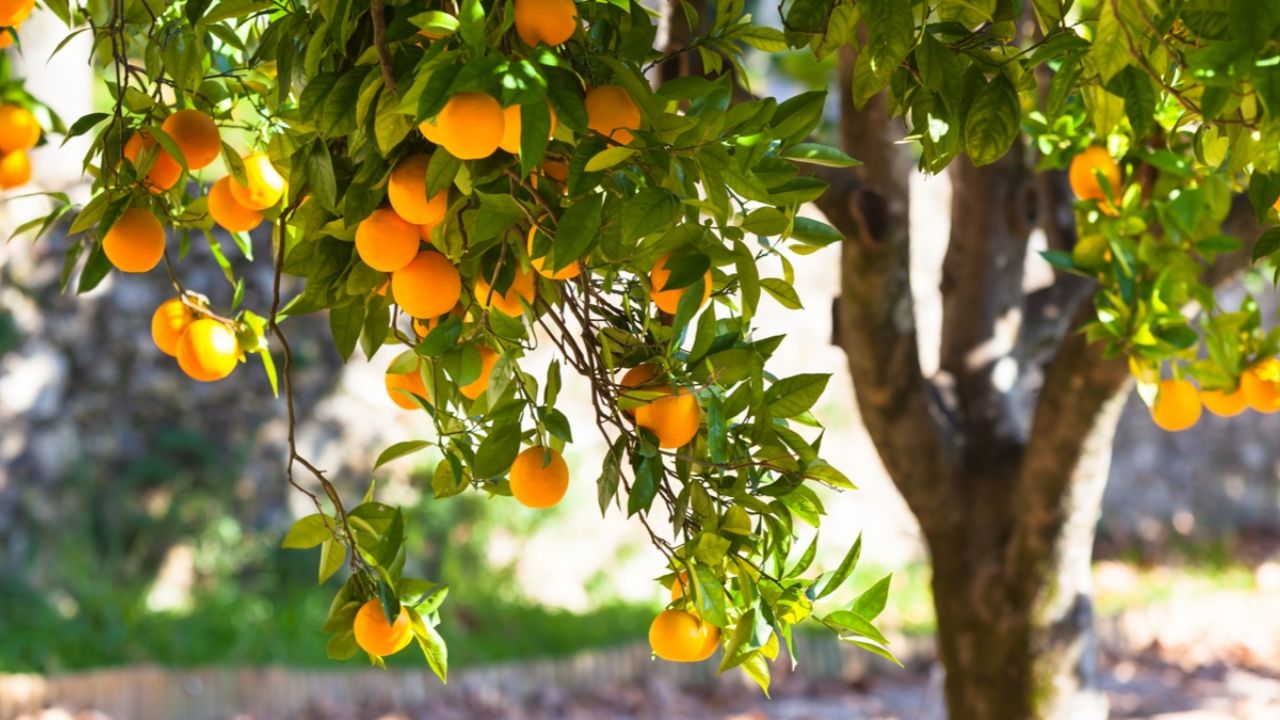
point(238, 628)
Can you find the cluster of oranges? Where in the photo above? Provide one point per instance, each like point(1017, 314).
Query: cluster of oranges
point(19, 132)
point(136, 242)
point(206, 348)
point(1178, 401)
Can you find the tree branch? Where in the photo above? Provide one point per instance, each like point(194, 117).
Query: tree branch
point(875, 319)
point(378, 13)
point(992, 212)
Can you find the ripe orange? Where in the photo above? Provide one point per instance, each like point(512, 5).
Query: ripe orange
point(511, 127)
point(476, 388)
point(1276, 205)
point(428, 286)
point(386, 242)
point(407, 192)
point(673, 418)
point(431, 131)
point(19, 129)
point(548, 21)
point(678, 586)
point(679, 636)
point(636, 377)
point(470, 125)
point(409, 382)
point(231, 215)
point(14, 12)
point(1261, 386)
point(1085, 184)
point(6, 37)
point(1177, 405)
point(263, 185)
point(15, 169)
point(669, 300)
point(207, 350)
point(1223, 403)
point(196, 135)
point(168, 323)
point(422, 326)
point(522, 286)
point(535, 484)
point(378, 637)
point(567, 272)
point(164, 172)
point(612, 113)
point(424, 232)
point(557, 170)
point(136, 242)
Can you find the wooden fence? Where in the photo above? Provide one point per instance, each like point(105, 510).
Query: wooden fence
point(151, 693)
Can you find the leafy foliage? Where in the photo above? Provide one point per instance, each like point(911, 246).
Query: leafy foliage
point(335, 93)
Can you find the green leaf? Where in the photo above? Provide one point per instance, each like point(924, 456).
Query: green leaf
point(1110, 51)
point(332, 557)
point(890, 27)
point(791, 396)
point(842, 573)
point(992, 123)
point(609, 157)
point(399, 450)
point(818, 154)
point(762, 38)
point(1267, 244)
point(873, 600)
point(497, 451)
point(308, 532)
point(577, 229)
point(781, 291)
point(345, 323)
point(610, 475)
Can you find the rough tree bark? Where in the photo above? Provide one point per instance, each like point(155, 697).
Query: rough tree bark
point(1004, 454)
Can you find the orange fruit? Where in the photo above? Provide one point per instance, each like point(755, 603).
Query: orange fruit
point(428, 286)
point(557, 170)
point(669, 300)
point(535, 483)
point(409, 382)
point(548, 21)
point(196, 135)
point(680, 636)
point(231, 215)
point(136, 242)
point(1177, 405)
point(476, 388)
point(522, 286)
point(1223, 403)
point(1261, 386)
point(168, 323)
point(424, 232)
point(678, 586)
point(15, 169)
point(378, 637)
point(1276, 205)
point(470, 126)
point(386, 242)
point(207, 350)
point(407, 192)
point(1083, 181)
point(612, 113)
point(263, 185)
point(637, 376)
point(567, 272)
point(14, 12)
point(6, 38)
point(673, 418)
point(19, 129)
point(422, 326)
point(431, 131)
point(164, 172)
point(511, 126)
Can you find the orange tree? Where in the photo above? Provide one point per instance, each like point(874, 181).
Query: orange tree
point(1138, 141)
point(463, 181)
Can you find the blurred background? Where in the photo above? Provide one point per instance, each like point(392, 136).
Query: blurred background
point(141, 514)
